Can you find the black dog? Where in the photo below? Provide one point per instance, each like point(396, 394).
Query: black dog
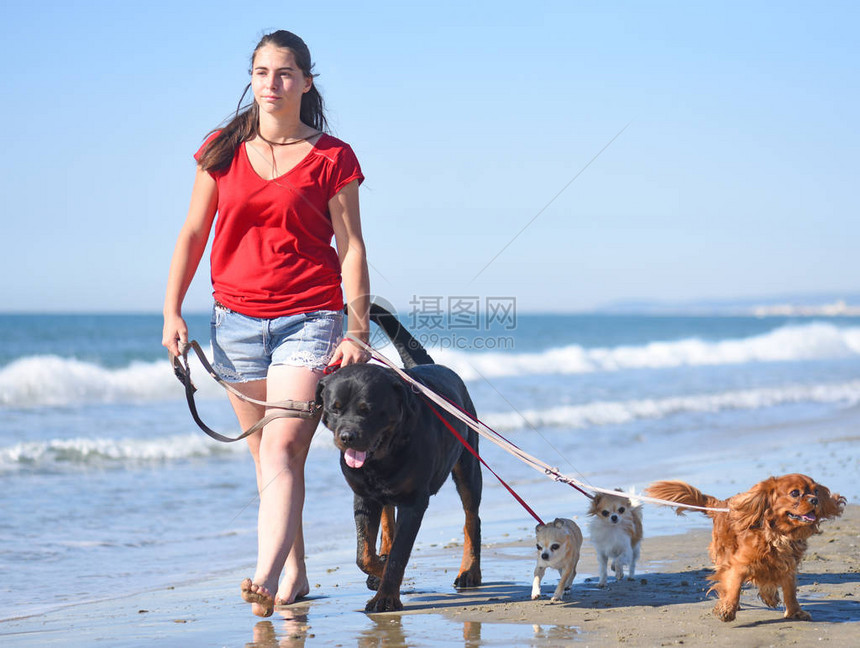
point(395, 452)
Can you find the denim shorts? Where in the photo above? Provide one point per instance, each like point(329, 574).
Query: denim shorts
point(244, 348)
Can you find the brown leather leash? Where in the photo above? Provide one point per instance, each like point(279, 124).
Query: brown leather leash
point(282, 409)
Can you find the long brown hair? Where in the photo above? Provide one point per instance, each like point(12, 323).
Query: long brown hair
point(243, 126)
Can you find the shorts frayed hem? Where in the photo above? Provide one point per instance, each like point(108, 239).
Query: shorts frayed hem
point(232, 376)
point(305, 361)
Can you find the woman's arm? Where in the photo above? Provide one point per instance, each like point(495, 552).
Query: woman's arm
point(190, 246)
point(346, 222)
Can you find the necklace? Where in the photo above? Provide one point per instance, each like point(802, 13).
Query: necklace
point(272, 145)
point(272, 163)
point(293, 141)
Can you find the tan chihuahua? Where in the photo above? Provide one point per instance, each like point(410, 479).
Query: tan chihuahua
point(558, 546)
point(616, 531)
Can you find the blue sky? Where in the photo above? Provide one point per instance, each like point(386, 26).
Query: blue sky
point(734, 174)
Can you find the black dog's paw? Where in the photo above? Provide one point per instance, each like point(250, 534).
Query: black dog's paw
point(471, 578)
point(381, 603)
point(374, 581)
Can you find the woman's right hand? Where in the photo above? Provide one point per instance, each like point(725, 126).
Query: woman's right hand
point(175, 335)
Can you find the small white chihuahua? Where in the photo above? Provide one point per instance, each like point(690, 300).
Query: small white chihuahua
point(558, 546)
point(616, 531)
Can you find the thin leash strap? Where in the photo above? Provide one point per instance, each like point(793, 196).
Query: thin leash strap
point(475, 454)
point(282, 409)
point(512, 445)
point(490, 434)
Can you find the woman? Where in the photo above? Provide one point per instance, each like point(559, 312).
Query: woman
point(281, 188)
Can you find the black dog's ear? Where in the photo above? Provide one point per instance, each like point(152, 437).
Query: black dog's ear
point(408, 407)
point(320, 388)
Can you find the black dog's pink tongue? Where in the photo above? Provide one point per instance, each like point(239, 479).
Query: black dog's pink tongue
point(354, 458)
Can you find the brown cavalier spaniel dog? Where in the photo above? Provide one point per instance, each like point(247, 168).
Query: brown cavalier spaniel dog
point(762, 539)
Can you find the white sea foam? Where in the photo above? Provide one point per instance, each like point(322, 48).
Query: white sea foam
point(620, 412)
point(789, 343)
point(38, 381)
point(69, 453)
point(101, 451)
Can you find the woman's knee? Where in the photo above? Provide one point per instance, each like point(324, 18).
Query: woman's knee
point(285, 444)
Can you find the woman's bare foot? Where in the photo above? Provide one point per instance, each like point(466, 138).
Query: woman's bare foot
point(262, 603)
point(290, 591)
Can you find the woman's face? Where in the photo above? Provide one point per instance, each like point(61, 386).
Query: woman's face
point(277, 82)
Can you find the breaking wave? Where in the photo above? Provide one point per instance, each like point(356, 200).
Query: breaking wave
point(82, 452)
point(54, 381)
point(816, 341)
point(58, 454)
point(620, 412)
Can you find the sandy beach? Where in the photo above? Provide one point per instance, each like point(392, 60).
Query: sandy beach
point(666, 604)
point(123, 526)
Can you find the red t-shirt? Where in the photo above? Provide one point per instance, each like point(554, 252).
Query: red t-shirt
point(272, 253)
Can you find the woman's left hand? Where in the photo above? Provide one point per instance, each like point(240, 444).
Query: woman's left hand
point(348, 353)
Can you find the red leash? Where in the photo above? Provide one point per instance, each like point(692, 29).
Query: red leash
point(332, 368)
point(483, 430)
point(512, 444)
point(475, 454)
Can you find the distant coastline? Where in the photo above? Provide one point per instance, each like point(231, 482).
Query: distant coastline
point(837, 309)
point(824, 305)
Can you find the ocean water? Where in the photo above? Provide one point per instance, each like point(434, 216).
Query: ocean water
point(108, 488)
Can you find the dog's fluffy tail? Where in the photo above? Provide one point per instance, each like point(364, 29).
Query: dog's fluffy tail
point(411, 352)
point(683, 493)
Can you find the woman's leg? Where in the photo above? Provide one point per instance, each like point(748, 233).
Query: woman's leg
point(279, 452)
point(248, 414)
point(294, 584)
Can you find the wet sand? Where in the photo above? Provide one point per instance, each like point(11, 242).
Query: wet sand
point(665, 605)
point(668, 604)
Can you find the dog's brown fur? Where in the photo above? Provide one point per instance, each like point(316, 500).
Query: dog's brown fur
point(763, 537)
